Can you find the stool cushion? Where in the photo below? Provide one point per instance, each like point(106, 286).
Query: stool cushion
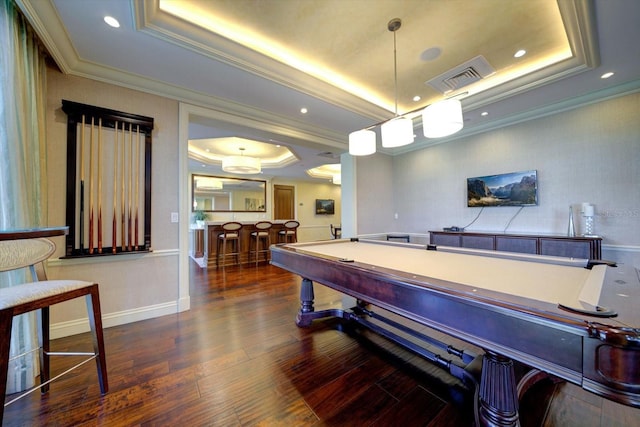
point(260, 234)
point(28, 292)
point(228, 236)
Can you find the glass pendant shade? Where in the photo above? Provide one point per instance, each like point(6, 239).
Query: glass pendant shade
point(241, 164)
point(362, 142)
point(442, 118)
point(397, 132)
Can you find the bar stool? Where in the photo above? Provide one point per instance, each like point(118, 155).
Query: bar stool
point(261, 234)
point(336, 231)
point(22, 250)
point(290, 232)
point(230, 235)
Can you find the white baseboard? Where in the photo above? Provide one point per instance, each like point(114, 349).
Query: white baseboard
point(621, 248)
point(78, 326)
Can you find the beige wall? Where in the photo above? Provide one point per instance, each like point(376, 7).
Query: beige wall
point(376, 193)
point(312, 226)
point(132, 287)
point(141, 286)
point(590, 154)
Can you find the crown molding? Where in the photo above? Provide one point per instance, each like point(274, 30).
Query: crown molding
point(54, 36)
point(578, 16)
point(580, 24)
point(625, 89)
point(151, 20)
point(59, 45)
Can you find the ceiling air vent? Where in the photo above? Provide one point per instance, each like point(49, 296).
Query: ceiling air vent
point(463, 75)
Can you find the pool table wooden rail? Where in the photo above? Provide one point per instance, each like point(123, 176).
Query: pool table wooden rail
point(601, 355)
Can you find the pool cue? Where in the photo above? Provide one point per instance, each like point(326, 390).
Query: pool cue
point(137, 182)
point(114, 225)
point(91, 189)
point(122, 213)
point(130, 181)
point(100, 185)
point(82, 186)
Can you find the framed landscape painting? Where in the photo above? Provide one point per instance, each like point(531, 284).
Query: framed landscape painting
point(507, 189)
point(325, 207)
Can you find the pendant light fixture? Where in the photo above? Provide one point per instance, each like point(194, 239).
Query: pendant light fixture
point(362, 142)
point(241, 164)
point(399, 130)
point(440, 119)
point(395, 132)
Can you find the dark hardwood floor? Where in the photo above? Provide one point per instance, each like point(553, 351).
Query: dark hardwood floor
point(237, 359)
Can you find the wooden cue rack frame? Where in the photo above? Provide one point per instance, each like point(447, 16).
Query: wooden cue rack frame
point(108, 206)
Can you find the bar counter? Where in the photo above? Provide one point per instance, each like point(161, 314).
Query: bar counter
point(214, 228)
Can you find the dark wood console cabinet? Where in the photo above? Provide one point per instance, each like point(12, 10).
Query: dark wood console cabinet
point(541, 244)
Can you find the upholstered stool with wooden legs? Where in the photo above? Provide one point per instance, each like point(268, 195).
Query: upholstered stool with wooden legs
point(261, 235)
point(230, 235)
point(22, 250)
point(289, 234)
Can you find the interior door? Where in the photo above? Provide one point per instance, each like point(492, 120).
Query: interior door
point(283, 202)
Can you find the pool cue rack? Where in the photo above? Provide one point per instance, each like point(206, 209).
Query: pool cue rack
point(108, 196)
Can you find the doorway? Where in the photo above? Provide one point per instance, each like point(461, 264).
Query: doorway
point(283, 202)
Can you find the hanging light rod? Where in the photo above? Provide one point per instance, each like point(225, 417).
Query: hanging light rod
point(399, 130)
point(439, 119)
point(417, 110)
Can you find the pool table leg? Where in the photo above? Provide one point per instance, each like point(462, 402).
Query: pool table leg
point(307, 314)
point(498, 405)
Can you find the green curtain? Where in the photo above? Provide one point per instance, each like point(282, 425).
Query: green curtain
point(23, 177)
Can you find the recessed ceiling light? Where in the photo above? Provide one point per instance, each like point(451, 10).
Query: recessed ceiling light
point(520, 53)
point(111, 21)
point(606, 75)
point(303, 110)
point(416, 98)
point(484, 113)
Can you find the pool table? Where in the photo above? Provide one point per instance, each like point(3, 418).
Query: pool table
point(571, 318)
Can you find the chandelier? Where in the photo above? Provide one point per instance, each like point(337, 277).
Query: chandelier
point(439, 119)
point(241, 164)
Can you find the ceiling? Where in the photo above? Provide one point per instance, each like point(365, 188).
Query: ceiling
point(254, 64)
